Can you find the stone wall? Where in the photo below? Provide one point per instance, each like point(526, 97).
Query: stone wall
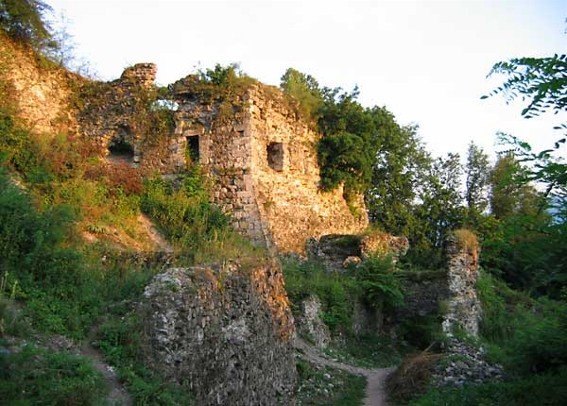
point(224, 329)
point(464, 308)
point(339, 251)
point(450, 292)
point(41, 90)
point(264, 163)
point(121, 114)
point(446, 296)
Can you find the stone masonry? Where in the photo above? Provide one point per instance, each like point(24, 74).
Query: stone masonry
point(224, 329)
point(264, 165)
point(115, 115)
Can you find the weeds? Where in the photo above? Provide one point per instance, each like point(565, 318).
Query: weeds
point(40, 377)
point(328, 386)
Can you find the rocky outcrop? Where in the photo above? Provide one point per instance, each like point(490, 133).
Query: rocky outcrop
point(465, 364)
point(310, 325)
point(226, 330)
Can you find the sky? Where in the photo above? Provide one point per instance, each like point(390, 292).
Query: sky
point(427, 61)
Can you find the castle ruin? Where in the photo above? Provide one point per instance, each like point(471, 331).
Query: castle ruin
point(263, 160)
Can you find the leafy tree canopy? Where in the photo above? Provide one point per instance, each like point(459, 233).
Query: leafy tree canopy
point(23, 20)
point(543, 81)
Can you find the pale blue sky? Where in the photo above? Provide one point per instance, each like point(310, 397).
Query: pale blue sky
point(425, 60)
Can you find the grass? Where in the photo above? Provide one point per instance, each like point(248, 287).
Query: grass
point(328, 386)
point(34, 376)
point(536, 390)
point(412, 377)
point(368, 351)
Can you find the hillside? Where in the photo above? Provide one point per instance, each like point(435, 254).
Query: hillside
point(221, 241)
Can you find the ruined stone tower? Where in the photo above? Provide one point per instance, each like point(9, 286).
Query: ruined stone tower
point(264, 165)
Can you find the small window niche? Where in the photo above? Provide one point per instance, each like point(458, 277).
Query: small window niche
point(276, 156)
point(120, 151)
point(192, 148)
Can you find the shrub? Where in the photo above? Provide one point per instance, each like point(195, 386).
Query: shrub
point(39, 377)
point(547, 389)
point(335, 290)
point(466, 240)
point(381, 285)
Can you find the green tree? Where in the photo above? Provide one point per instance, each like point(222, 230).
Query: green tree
point(397, 175)
point(23, 20)
point(529, 245)
point(305, 90)
point(438, 210)
point(350, 142)
point(510, 194)
point(477, 171)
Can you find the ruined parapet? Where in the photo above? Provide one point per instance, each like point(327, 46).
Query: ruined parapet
point(464, 308)
point(141, 74)
point(224, 330)
point(122, 117)
point(263, 161)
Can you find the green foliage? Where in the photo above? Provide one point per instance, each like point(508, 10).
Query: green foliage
point(184, 211)
point(31, 243)
point(340, 159)
point(380, 283)
point(396, 177)
point(329, 386)
point(23, 20)
point(367, 351)
point(347, 150)
point(540, 341)
point(477, 170)
point(305, 91)
point(120, 340)
point(373, 281)
point(222, 85)
point(335, 290)
point(543, 81)
point(499, 307)
point(32, 376)
point(526, 245)
point(545, 389)
point(527, 336)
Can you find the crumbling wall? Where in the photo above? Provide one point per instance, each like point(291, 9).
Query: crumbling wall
point(464, 308)
point(264, 164)
point(288, 193)
point(338, 251)
point(121, 116)
point(42, 91)
point(225, 330)
point(449, 293)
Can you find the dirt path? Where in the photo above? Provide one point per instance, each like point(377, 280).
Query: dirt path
point(154, 234)
point(375, 378)
point(117, 395)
